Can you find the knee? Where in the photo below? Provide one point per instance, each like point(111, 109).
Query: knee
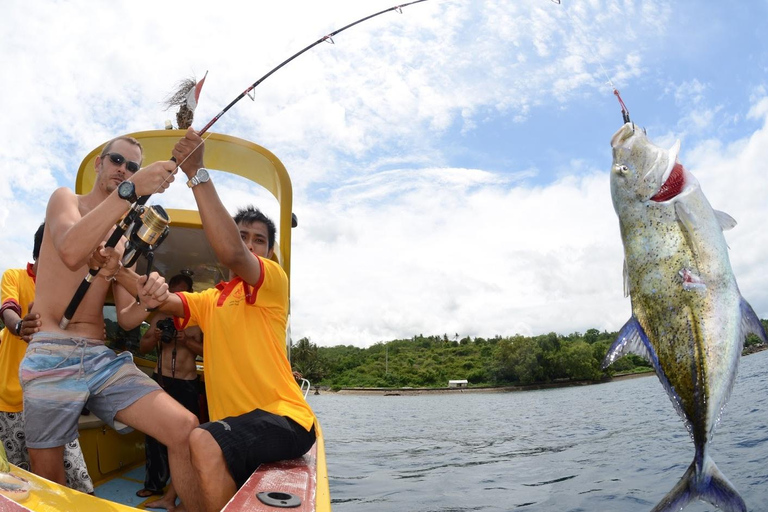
point(203, 449)
point(183, 426)
point(188, 422)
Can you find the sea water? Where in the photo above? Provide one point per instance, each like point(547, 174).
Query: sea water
point(618, 446)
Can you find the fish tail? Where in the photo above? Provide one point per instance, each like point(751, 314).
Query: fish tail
point(708, 485)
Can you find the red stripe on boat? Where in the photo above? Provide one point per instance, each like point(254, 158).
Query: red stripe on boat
point(294, 476)
point(8, 505)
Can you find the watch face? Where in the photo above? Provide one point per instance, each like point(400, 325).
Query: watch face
point(202, 175)
point(126, 190)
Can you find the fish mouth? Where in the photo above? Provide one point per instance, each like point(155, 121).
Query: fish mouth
point(672, 186)
point(622, 135)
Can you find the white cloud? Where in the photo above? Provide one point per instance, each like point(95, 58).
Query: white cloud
point(395, 237)
point(473, 256)
point(482, 255)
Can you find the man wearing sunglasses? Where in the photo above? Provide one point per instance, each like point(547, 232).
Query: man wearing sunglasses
point(63, 370)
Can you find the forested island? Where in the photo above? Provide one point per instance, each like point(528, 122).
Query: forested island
point(431, 361)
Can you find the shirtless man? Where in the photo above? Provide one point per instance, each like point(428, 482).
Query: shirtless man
point(18, 294)
point(176, 372)
point(63, 370)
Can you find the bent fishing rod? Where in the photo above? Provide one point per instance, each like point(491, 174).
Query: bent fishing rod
point(137, 208)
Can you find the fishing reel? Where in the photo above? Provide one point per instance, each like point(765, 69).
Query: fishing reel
point(146, 233)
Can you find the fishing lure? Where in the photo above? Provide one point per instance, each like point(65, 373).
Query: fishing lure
point(137, 209)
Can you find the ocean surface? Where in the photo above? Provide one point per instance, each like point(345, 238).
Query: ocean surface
point(618, 446)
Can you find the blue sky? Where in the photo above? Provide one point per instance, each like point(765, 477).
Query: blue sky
point(450, 163)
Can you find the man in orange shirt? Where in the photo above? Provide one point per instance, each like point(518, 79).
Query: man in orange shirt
point(258, 413)
point(18, 292)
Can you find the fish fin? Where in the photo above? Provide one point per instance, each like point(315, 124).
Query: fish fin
point(685, 217)
point(625, 275)
point(631, 340)
point(710, 486)
point(688, 221)
point(750, 324)
point(726, 221)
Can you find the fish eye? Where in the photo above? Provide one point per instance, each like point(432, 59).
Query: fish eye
point(621, 169)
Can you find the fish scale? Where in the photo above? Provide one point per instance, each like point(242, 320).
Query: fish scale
point(688, 317)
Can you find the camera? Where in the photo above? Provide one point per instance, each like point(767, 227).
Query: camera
point(167, 330)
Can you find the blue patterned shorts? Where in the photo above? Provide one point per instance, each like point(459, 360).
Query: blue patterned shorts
point(61, 375)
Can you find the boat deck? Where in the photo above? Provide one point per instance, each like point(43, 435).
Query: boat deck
point(122, 488)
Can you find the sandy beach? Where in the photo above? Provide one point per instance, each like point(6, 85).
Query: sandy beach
point(496, 389)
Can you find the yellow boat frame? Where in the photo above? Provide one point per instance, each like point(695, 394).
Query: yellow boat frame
point(230, 154)
point(107, 453)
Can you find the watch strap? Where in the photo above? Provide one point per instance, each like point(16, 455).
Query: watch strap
point(132, 198)
point(196, 179)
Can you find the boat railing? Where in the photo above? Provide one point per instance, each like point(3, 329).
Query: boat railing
point(305, 387)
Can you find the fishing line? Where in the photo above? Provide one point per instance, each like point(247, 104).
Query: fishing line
point(624, 109)
point(135, 211)
point(248, 92)
point(178, 166)
point(326, 38)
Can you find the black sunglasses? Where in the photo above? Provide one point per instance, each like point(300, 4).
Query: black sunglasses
point(118, 160)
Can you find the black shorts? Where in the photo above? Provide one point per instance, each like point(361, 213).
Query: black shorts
point(256, 437)
point(186, 392)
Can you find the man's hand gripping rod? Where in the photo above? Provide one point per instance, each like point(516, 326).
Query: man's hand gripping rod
point(124, 225)
point(135, 211)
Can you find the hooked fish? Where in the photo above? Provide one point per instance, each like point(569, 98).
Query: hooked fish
point(689, 319)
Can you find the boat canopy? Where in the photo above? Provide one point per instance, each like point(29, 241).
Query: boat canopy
point(186, 248)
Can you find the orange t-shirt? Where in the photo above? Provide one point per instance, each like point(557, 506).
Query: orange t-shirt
point(244, 353)
point(18, 288)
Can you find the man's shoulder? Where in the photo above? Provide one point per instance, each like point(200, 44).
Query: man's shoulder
point(275, 268)
point(62, 197)
point(64, 192)
point(14, 273)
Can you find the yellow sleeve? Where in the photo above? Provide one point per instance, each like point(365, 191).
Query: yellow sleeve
point(197, 307)
point(10, 285)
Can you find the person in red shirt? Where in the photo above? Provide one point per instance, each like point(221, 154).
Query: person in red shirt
point(258, 413)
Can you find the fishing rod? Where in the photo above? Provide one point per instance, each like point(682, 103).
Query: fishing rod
point(137, 209)
point(328, 37)
point(624, 109)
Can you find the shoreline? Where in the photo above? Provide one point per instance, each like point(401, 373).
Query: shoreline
point(496, 389)
point(490, 389)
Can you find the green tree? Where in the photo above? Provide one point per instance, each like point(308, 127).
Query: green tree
point(579, 363)
point(306, 360)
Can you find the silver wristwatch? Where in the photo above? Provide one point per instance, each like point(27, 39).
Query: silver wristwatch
point(201, 176)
